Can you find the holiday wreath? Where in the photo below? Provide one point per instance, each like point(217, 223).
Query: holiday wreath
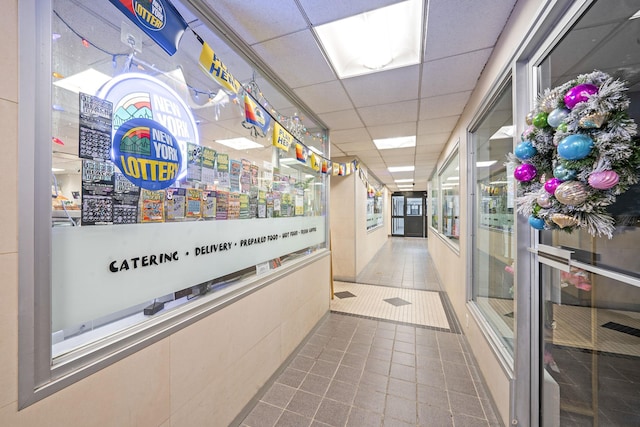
point(578, 153)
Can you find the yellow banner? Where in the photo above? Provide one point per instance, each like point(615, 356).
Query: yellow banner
point(281, 137)
point(315, 162)
point(213, 66)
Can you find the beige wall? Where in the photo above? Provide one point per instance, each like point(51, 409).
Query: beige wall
point(202, 375)
point(352, 245)
point(454, 279)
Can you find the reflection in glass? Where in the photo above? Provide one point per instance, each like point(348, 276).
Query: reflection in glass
point(494, 251)
point(591, 330)
point(449, 180)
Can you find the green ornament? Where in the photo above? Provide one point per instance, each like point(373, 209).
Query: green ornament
point(536, 209)
point(540, 120)
point(562, 127)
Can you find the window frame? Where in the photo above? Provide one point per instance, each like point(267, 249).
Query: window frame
point(38, 376)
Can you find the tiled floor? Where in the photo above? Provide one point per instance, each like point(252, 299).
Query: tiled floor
point(364, 370)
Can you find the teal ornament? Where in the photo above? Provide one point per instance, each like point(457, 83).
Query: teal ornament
point(540, 120)
point(535, 222)
point(557, 116)
point(525, 150)
point(564, 174)
point(575, 147)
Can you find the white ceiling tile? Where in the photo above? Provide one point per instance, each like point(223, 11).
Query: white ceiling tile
point(429, 150)
point(355, 147)
point(325, 97)
point(393, 130)
point(433, 139)
point(321, 12)
point(384, 87)
point(336, 151)
point(339, 120)
point(399, 154)
point(453, 74)
point(400, 112)
point(296, 58)
point(457, 26)
point(349, 135)
point(441, 125)
point(444, 105)
point(256, 20)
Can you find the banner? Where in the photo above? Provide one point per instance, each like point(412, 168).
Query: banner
point(281, 137)
point(159, 19)
point(315, 162)
point(255, 117)
point(302, 153)
point(213, 66)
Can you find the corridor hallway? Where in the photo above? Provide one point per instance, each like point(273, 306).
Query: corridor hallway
point(390, 353)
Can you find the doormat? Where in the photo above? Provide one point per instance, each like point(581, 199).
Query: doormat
point(622, 328)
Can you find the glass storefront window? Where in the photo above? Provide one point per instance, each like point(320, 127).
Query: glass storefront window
point(433, 186)
point(591, 310)
point(449, 191)
point(493, 247)
point(166, 185)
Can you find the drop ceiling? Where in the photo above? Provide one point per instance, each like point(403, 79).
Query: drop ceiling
point(425, 100)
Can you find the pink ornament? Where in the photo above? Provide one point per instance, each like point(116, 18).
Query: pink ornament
point(525, 172)
point(551, 185)
point(578, 94)
point(603, 180)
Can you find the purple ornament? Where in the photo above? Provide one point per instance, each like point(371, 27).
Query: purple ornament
point(525, 172)
point(604, 180)
point(551, 185)
point(579, 94)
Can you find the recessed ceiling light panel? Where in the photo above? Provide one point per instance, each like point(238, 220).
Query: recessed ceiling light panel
point(381, 39)
point(399, 142)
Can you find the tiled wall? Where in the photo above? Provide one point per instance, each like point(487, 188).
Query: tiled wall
point(9, 210)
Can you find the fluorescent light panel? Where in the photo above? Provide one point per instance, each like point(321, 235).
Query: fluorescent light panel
point(87, 81)
point(635, 15)
point(404, 180)
point(239, 143)
point(398, 142)
point(486, 164)
point(381, 39)
point(401, 168)
point(503, 132)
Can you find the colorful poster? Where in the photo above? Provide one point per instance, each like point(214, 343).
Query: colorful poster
point(245, 176)
point(222, 201)
point(126, 196)
point(262, 204)
point(194, 203)
point(208, 165)
point(325, 166)
point(159, 19)
point(244, 206)
point(97, 192)
point(255, 172)
point(209, 204)
point(299, 204)
point(194, 162)
point(302, 153)
point(222, 170)
point(152, 202)
point(234, 206)
point(175, 203)
point(271, 205)
point(277, 204)
point(255, 117)
point(214, 68)
point(285, 205)
point(281, 137)
point(95, 128)
point(235, 169)
point(315, 162)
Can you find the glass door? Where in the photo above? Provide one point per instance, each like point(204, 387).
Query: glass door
point(588, 361)
point(397, 215)
point(590, 289)
point(414, 218)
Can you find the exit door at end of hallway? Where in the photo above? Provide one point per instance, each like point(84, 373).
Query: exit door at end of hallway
point(408, 214)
